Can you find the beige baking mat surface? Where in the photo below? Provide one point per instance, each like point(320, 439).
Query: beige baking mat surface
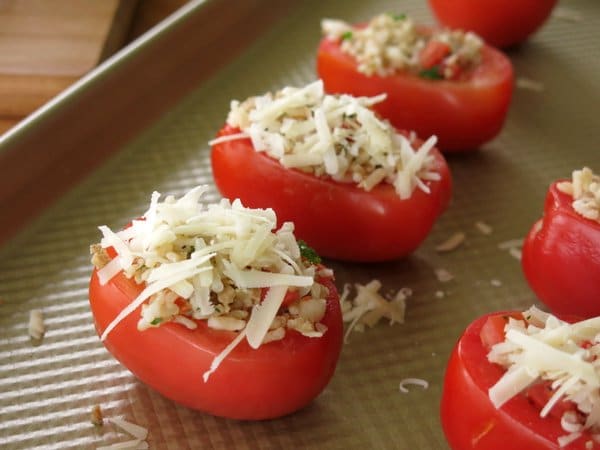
point(47, 391)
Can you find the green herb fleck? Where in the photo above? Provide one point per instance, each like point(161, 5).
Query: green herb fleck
point(347, 35)
point(431, 74)
point(401, 16)
point(156, 321)
point(309, 253)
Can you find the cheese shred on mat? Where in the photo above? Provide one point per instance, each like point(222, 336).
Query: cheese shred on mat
point(221, 263)
point(368, 306)
point(542, 348)
point(336, 136)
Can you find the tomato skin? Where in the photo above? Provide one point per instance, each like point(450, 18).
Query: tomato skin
point(463, 114)
point(339, 220)
point(469, 419)
point(561, 258)
point(274, 380)
point(501, 23)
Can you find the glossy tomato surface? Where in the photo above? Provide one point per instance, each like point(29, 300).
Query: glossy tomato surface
point(469, 419)
point(561, 258)
point(276, 379)
point(501, 23)
point(463, 113)
point(339, 220)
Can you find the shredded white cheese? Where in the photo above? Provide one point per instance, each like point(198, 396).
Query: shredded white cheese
point(336, 136)
point(139, 434)
point(36, 324)
point(484, 228)
point(529, 84)
point(563, 441)
point(414, 382)
point(452, 243)
point(516, 253)
point(222, 263)
point(513, 246)
point(495, 282)
point(134, 430)
point(584, 187)
point(542, 348)
point(368, 306)
point(391, 43)
point(443, 275)
point(221, 356)
point(511, 243)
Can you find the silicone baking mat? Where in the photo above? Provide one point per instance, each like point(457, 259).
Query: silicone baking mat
point(47, 391)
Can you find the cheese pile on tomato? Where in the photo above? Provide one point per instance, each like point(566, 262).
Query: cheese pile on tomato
point(585, 190)
point(333, 135)
point(223, 263)
point(542, 348)
point(391, 43)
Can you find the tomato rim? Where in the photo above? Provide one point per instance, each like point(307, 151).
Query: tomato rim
point(470, 373)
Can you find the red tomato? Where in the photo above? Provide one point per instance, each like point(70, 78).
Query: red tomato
point(469, 419)
point(276, 379)
point(462, 113)
point(433, 53)
point(338, 220)
point(561, 258)
point(500, 22)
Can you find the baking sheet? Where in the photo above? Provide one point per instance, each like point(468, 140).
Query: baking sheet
point(47, 391)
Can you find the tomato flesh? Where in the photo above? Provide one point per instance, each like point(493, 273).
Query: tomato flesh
point(433, 54)
point(501, 23)
point(339, 220)
point(469, 419)
point(276, 379)
point(561, 258)
point(463, 113)
point(492, 331)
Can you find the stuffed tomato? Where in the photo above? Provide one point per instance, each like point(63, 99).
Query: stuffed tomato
point(561, 253)
point(355, 188)
point(437, 82)
point(214, 309)
point(524, 381)
point(501, 23)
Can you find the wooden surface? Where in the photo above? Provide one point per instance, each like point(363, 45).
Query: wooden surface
point(121, 105)
point(46, 45)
